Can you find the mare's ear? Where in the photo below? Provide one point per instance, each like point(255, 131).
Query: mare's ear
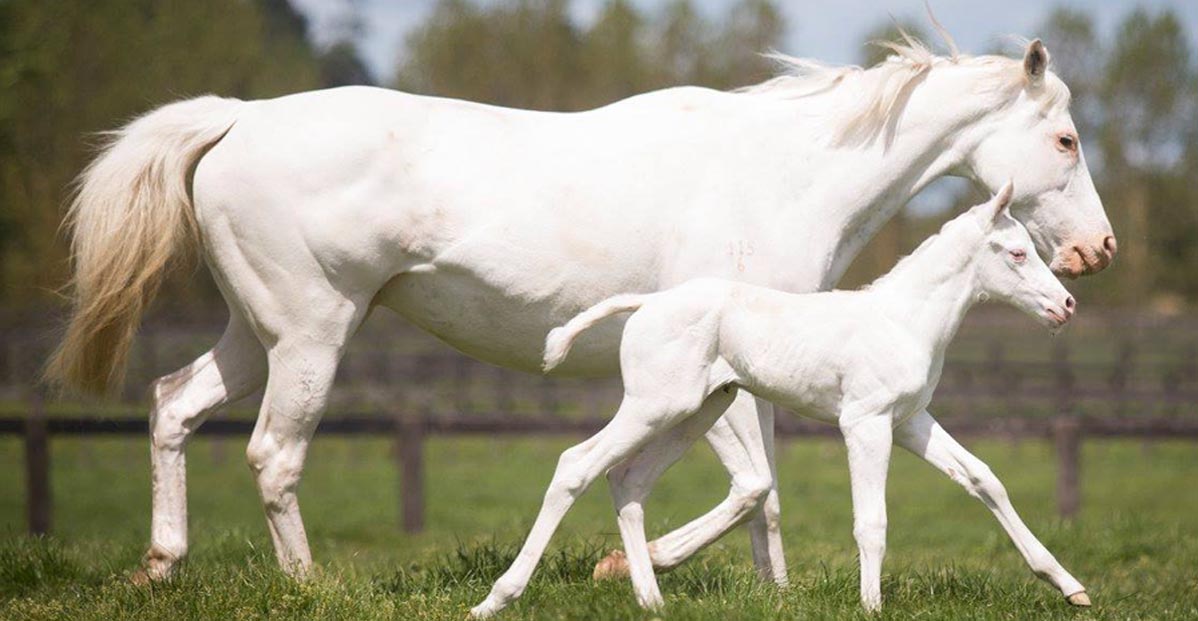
point(1001, 203)
point(1035, 61)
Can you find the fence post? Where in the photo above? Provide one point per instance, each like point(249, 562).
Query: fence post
point(37, 467)
point(1066, 432)
point(409, 445)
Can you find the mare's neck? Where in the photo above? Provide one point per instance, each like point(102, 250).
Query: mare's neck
point(852, 190)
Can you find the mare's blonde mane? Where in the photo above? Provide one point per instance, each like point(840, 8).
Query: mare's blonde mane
point(884, 89)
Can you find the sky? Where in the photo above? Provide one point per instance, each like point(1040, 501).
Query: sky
point(830, 30)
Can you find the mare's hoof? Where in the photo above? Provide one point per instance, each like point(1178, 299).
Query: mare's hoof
point(1079, 599)
point(614, 566)
point(141, 577)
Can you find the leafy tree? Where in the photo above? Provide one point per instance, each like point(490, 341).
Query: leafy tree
point(70, 69)
point(523, 54)
point(530, 54)
point(753, 27)
point(681, 54)
point(1148, 102)
point(340, 65)
point(614, 54)
point(1078, 58)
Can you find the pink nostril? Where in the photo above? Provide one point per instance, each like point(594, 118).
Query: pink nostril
point(1070, 304)
point(1111, 245)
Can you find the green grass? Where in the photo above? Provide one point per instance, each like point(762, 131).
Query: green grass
point(1135, 545)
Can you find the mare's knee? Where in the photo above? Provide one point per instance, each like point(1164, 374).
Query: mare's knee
point(172, 413)
point(751, 491)
point(276, 470)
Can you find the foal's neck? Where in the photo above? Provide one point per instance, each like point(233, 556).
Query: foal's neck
point(930, 291)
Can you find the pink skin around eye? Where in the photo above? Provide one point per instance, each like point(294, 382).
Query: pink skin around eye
point(1019, 256)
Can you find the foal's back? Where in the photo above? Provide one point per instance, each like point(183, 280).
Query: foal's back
point(810, 352)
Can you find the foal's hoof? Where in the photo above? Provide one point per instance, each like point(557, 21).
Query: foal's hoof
point(1079, 599)
point(614, 566)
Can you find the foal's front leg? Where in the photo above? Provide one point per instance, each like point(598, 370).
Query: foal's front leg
point(922, 435)
point(868, 440)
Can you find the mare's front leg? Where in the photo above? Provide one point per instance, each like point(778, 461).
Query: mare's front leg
point(579, 466)
point(868, 440)
point(922, 435)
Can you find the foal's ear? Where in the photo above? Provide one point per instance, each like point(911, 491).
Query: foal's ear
point(1035, 61)
point(1002, 201)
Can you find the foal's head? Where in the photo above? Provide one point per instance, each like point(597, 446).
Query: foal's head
point(1009, 269)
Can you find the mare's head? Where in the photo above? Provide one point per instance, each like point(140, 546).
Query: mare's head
point(1030, 138)
point(1008, 268)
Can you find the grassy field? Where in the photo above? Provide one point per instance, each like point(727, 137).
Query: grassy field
point(1135, 544)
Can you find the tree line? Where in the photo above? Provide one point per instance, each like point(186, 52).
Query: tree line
point(69, 69)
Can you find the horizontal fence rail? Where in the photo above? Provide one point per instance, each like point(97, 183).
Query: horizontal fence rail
point(1112, 375)
point(409, 434)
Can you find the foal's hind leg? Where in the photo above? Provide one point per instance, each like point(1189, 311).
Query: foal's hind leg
point(579, 466)
point(752, 482)
point(632, 480)
point(181, 403)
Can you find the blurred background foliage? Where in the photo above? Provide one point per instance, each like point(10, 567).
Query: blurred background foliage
point(69, 69)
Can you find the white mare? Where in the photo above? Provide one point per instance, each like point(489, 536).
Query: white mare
point(865, 360)
point(489, 226)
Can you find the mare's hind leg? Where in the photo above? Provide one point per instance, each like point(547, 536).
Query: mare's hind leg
point(304, 350)
point(297, 390)
point(232, 369)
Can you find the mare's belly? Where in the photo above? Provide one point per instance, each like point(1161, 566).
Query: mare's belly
point(502, 327)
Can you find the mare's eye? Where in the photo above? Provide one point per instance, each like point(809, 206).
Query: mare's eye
point(1068, 142)
point(1019, 256)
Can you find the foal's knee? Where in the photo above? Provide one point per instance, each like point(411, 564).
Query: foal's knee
point(983, 484)
point(870, 534)
point(569, 479)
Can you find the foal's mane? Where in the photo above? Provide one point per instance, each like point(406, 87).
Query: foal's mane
point(957, 233)
point(885, 88)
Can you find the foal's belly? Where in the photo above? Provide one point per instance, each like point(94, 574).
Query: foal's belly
point(505, 328)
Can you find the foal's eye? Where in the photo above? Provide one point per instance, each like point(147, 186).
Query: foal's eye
point(1019, 256)
point(1067, 142)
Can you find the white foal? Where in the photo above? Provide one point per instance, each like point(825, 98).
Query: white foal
point(866, 360)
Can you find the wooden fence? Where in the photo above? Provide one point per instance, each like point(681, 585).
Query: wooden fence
point(1131, 376)
point(409, 433)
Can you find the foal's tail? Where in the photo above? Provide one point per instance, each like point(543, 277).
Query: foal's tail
point(130, 216)
point(561, 339)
